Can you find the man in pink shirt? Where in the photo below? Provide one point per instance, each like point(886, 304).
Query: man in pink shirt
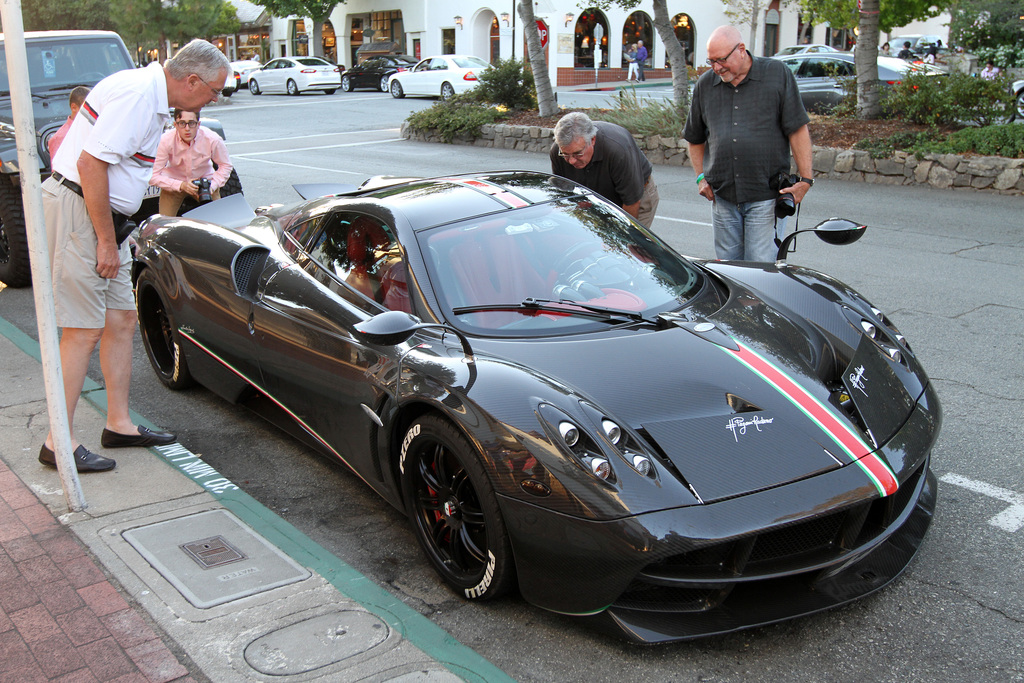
point(75, 100)
point(186, 153)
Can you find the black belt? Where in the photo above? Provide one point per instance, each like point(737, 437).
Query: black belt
point(70, 184)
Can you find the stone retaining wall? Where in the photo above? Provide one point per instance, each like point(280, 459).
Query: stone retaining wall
point(943, 171)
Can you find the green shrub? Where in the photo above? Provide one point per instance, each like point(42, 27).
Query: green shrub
point(461, 115)
point(507, 84)
point(643, 118)
point(1003, 56)
point(952, 100)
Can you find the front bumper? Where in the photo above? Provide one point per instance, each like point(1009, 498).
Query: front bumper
point(756, 559)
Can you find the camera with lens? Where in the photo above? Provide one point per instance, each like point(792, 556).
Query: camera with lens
point(785, 205)
point(204, 190)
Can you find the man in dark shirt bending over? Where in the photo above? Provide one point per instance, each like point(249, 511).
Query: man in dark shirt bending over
point(604, 157)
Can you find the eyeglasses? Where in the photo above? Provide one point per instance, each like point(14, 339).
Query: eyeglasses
point(187, 124)
point(723, 60)
point(215, 91)
point(575, 155)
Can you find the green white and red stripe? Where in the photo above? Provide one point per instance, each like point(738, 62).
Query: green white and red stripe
point(848, 440)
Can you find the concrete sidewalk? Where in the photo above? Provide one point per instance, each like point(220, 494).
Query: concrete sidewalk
point(172, 573)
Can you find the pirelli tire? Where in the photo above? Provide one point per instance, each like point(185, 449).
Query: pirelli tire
point(15, 270)
point(454, 510)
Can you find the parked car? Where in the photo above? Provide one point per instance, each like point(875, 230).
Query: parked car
point(819, 76)
point(919, 43)
point(375, 72)
point(57, 62)
point(243, 68)
point(295, 75)
point(1018, 91)
point(801, 49)
point(669, 447)
point(441, 76)
point(231, 84)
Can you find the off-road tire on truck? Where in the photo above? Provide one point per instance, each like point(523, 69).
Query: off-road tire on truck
point(15, 270)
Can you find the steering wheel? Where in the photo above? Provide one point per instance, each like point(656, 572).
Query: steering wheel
point(575, 253)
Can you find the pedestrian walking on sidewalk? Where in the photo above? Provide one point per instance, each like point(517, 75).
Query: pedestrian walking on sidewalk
point(631, 59)
point(641, 58)
point(100, 175)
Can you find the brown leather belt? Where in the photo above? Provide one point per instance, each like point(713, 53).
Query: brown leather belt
point(70, 184)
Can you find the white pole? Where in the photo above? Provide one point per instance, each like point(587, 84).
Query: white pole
point(42, 286)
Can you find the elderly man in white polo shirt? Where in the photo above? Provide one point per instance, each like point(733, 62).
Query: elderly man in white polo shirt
point(100, 174)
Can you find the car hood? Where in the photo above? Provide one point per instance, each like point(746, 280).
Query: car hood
point(736, 410)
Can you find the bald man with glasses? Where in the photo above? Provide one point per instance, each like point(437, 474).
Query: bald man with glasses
point(745, 118)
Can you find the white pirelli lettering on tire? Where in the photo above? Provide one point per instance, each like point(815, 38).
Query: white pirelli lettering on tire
point(409, 436)
point(485, 583)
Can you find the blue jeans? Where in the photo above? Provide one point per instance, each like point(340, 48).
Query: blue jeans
point(746, 231)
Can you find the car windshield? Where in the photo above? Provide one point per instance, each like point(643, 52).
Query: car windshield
point(516, 274)
point(64, 64)
point(470, 62)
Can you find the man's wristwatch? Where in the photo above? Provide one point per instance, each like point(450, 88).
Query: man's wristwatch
point(809, 181)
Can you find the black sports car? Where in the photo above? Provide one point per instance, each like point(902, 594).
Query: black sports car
point(558, 400)
point(375, 72)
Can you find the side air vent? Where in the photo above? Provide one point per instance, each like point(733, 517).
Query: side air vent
point(246, 269)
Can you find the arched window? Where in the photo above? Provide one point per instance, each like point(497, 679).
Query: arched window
point(495, 37)
point(584, 39)
point(682, 24)
point(638, 27)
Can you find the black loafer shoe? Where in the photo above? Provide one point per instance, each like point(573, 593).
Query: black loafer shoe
point(145, 437)
point(85, 460)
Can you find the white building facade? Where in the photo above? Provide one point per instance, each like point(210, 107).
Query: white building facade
point(575, 38)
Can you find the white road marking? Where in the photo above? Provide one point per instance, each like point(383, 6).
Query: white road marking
point(315, 135)
point(1012, 518)
point(306, 167)
point(682, 220)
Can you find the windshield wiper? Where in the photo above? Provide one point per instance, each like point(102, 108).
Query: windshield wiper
point(577, 308)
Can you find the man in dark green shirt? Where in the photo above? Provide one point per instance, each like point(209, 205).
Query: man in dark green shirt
point(745, 117)
point(604, 157)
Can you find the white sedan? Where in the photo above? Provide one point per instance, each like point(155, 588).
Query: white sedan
point(295, 75)
point(442, 76)
point(243, 68)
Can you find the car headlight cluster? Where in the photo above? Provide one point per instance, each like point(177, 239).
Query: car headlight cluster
point(880, 330)
point(594, 448)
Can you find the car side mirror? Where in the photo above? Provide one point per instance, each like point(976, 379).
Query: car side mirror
point(833, 231)
point(395, 327)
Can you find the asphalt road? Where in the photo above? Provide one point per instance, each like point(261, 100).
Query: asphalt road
point(948, 268)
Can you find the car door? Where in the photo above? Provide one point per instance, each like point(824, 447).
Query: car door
point(820, 82)
point(369, 72)
point(274, 75)
point(311, 362)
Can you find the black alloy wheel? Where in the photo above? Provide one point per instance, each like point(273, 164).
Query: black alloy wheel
point(159, 336)
point(454, 510)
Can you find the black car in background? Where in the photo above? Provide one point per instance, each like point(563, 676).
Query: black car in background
point(375, 71)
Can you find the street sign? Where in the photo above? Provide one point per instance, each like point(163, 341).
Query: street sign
point(542, 28)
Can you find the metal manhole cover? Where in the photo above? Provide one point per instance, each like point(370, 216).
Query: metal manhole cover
point(212, 552)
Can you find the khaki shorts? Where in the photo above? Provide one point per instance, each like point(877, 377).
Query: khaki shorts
point(648, 203)
point(81, 296)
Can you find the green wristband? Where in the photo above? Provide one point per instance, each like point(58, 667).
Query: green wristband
point(700, 178)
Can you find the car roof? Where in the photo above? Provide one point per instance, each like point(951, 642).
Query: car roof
point(66, 35)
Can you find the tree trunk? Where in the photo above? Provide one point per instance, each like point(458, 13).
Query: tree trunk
point(316, 39)
point(755, 11)
point(869, 105)
point(545, 94)
point(676, 56)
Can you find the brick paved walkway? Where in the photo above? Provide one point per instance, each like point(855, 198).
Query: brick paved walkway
point(60, 617)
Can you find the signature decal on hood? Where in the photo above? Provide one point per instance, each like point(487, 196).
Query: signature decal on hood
point(738, 425)
point(857, 379)
point(823, 416)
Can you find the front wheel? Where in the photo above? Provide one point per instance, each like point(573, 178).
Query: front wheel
point(454, 510)
point(346, 83)
point(1018, 106)
point(254, 87)
point(447, 91)
point(396, 90)
point(293, 89)
point(14, 262)
point(159, 335)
